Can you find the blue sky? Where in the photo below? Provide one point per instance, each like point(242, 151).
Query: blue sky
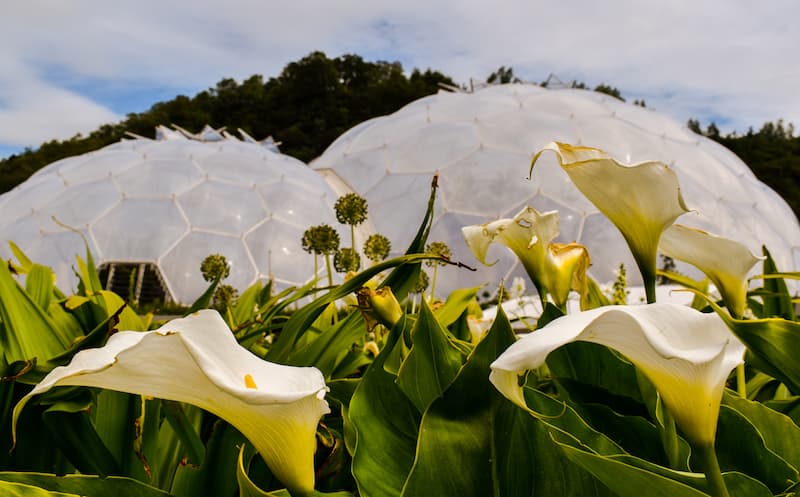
point(67, 67)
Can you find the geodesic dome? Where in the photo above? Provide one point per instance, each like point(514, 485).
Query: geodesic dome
point(481, 145)
point(165, 205)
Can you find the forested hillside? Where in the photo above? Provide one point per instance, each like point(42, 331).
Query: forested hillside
point(317, 98)
point(306, 107)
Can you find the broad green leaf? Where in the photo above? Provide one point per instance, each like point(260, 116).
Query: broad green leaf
point(27, 332)
point(473, 442)
point(204, 301)
point(403, 278)
point(113, 416)
point(634, 434)
point(83, 485)
point(39, 285)
point(23, 259)
point(456, 303)
point(75, 435)
point(246, 304)
point(384, 425)
point(331, 346)
point(249, 489)
point(10, 489)
point(595, 365)
point(301, 321)
point(176, 416)
point(777, 300)
point(626, 480)
point(217, 475)
point(432, 363)
point(780, 434)
point(740, 447)
point(773, 345)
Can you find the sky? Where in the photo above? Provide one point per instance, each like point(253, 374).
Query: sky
point(68, 67)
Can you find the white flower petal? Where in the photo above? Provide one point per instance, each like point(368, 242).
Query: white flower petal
point(725, 262)
point(198, 361)
point(529, 234)
point(640, 199)
point(687, 354)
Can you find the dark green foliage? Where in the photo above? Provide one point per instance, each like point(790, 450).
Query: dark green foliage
point(609, 90)
point(306, 107)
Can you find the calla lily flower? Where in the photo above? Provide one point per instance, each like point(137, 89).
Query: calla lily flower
point(554, 268)
point(725, 262)
point(197, 360)
point(640, 199)
point(685, 353)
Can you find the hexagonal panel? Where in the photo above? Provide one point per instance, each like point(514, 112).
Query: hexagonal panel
point(222, 207)
point(138, 230)
point(276, 249)
point(181, 265)
point(174, 177)
point(296, 205)
point(81, 204)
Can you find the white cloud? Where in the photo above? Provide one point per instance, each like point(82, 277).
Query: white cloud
point(723, 58)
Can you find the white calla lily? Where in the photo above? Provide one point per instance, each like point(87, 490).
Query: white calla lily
point(640, 199)
point(725, 262)
point(197, 360)
point(554, 268)
point(686, 354)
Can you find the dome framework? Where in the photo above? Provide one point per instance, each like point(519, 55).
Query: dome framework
point(481, 144)
point(163, 205)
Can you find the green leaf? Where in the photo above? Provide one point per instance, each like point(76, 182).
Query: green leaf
point(249, 489)
point(384, 424)
point(39, 285)
point(23, 259)
point(773, 345)
point(777, 300)
point(595, 365)
point(27, 332)
point(83, 485)
point(330, 347)
point(301, 321)
point(22, 490)
point(432, 363)
point(403, 278)
point(626, 480)
point(246, 304)
point(218, 473)
point(73, 432)
point(455, 305)
point(778, 431)
point(184, 428)
point(204, 301)
point(740, 447)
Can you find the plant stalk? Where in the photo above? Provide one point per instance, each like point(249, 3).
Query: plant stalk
point(741, 381)
point(716, 484)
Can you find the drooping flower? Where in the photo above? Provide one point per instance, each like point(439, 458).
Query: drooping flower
point(554, 268)
point(725, 262)
point(686, 354)
point(197, 360)
point(642, 200)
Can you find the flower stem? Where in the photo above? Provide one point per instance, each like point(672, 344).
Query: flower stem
point(328, 267)
point(433, 282)
point(741, 381)
point(716, 484)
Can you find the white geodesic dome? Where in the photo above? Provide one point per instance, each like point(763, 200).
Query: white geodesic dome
point(481, 145)
point(171, 202)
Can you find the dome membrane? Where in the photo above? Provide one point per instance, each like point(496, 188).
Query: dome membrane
point(168, 203)
point(481, 144)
